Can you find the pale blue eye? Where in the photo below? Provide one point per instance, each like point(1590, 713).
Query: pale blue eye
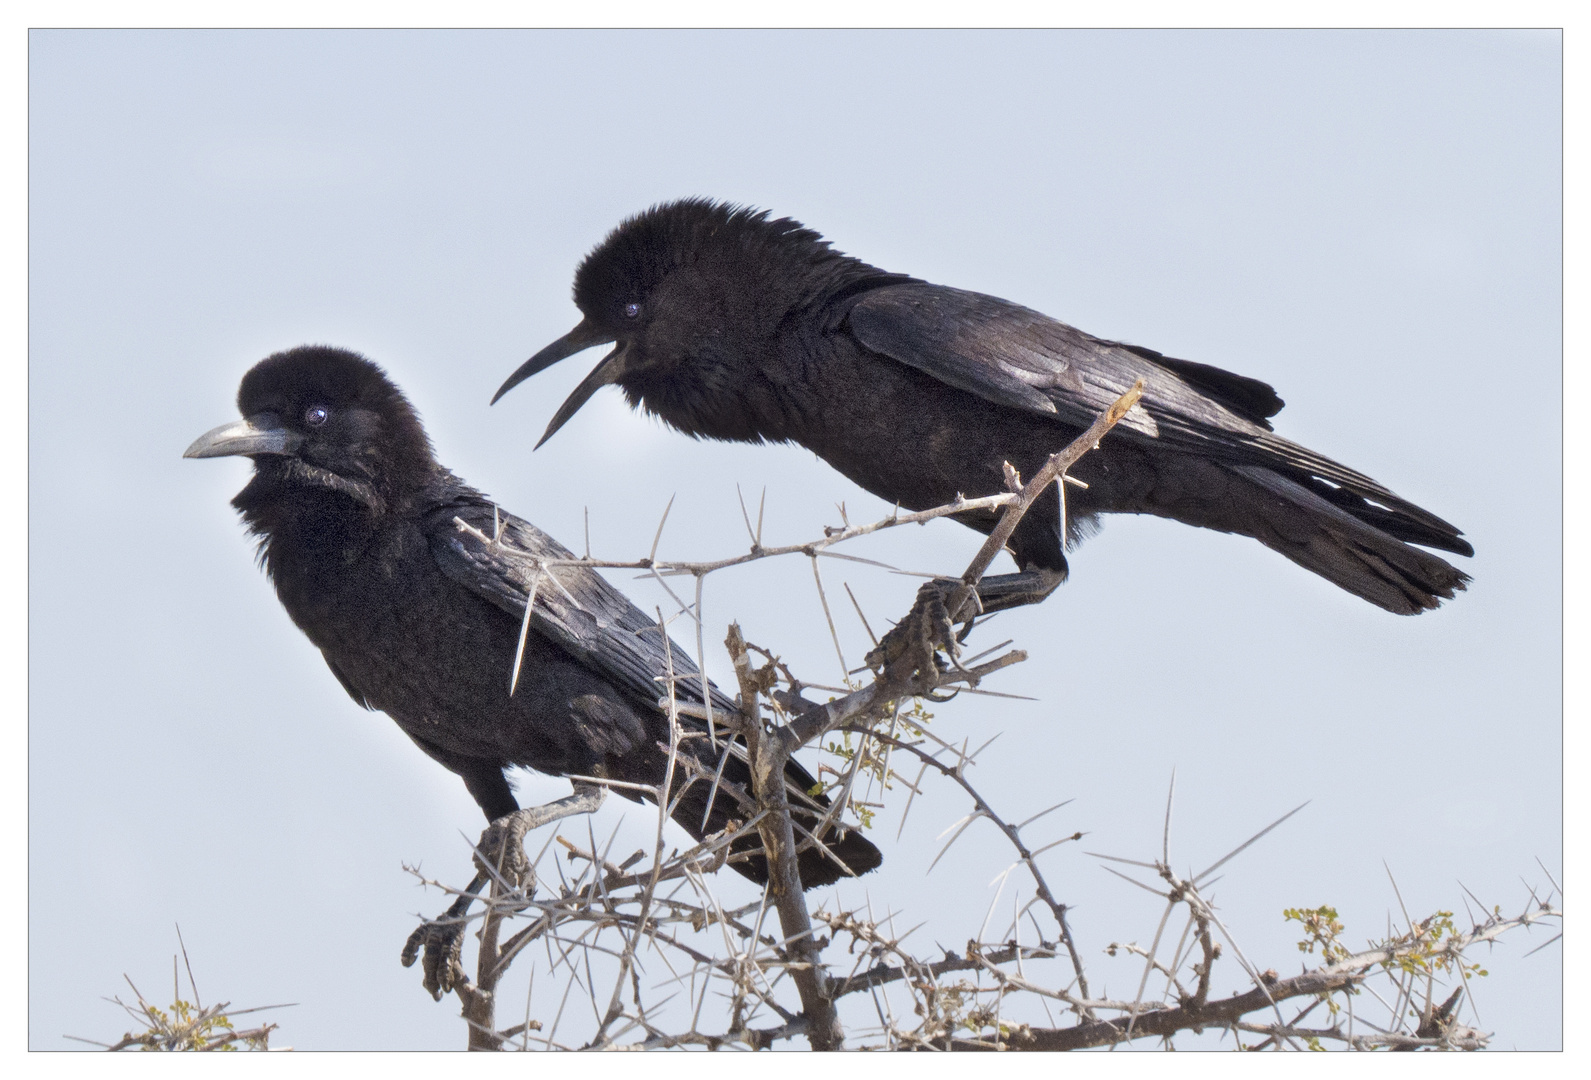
point(316, 415)
point(632, 310)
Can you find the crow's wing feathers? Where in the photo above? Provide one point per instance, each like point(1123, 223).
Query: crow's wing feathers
point(1023, 358)
point(589, 618)
point(1018, 357)
point(1249, 398)
point(575, 607)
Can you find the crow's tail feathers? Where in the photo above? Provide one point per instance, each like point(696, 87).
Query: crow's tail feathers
point(843, 853)
point(1362, 552)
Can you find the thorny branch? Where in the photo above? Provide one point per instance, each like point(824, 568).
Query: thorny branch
point(186, 1025)
point(1346, 975)
point(649, 936)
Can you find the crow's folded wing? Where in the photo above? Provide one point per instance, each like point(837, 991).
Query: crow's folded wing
point(575, 607)
point(1021, 358)
point(592, 621)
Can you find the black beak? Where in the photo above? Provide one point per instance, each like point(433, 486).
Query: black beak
point(604, 374)
point(581, 338)
point(259, 434)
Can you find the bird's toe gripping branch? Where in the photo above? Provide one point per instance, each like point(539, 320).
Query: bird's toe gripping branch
point(442, 942)
point(911, 650)
point(500, 858)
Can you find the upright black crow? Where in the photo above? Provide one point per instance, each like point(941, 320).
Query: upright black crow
point(730, 325)
point(421, 620)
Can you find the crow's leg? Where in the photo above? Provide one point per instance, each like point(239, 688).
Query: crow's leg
point(501, 851)
point(501, 855)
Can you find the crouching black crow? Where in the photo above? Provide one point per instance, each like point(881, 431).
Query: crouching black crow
point(730, 325)
point(358, 530)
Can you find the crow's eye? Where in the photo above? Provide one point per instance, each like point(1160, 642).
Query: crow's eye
point(631, 310)
point(316, 415)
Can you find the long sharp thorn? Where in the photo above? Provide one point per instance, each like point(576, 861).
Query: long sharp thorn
point(1473, 897)
point(827, 554)
point(701, 665)
point(1002, 878)
point(964, 824)
point(524, 633)
point(909, 799)
point(1550, 878)
point(988, 693)
point(552, 576)
point(1041, 813)
point(1165, 837)
point(1036, 852)
point(712, 793)
point(191, 983)
point(1118, 858)
point(744, 516)
point(664, 521)
point(974, 659)
point(1399, 894)
point(833, 634)
point(1135, 881)
point(972, 757)
point(1468, 912)
point(859, 615)
point(1060, 495)
point(1222, 861)
point(1544, 944)
point(1149, 965)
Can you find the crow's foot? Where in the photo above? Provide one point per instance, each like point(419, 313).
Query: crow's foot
point(442, 940)
point(913, 646)
point(500, 858)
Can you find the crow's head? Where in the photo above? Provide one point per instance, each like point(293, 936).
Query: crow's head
point(321, 419)
point(692, 291)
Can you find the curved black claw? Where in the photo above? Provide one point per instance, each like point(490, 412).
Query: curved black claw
point(442, 940)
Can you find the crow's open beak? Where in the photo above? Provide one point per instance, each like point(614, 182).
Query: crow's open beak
point(604, 374)
point(581, 338)
point(259, 434)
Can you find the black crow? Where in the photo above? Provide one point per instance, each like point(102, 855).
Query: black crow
point(357, 527)
point(730, 325)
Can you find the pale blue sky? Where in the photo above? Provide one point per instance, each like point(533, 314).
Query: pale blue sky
point(1370, 221)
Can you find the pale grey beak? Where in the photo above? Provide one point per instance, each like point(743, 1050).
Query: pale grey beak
point(259, 434)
